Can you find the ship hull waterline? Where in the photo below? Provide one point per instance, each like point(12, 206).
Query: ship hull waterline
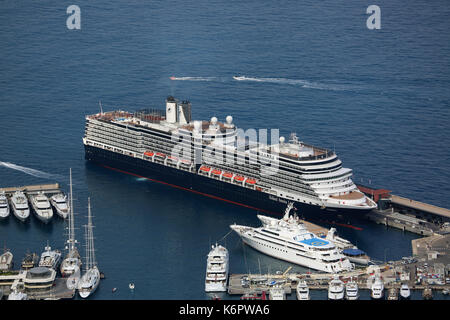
point(213, 188)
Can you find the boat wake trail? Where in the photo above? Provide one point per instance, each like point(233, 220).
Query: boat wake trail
point(193, 78)
point(29, 171)
point(299, 82)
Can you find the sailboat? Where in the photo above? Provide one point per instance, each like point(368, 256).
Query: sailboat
point(91, 278)
point(72, 261)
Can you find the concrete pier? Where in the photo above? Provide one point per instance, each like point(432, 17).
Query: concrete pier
point(33, 189)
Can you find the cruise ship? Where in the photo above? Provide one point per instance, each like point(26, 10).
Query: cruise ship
point(288, 239)
point(218, 160)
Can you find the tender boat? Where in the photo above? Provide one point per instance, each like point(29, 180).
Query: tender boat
point(50, 258)
point(59, 202)
point(427, 294)
point(217, 269)
point(302, 291)
point(288, 239)
point(405, 293)
point(91, 278)
point(351, 290)
point(19, 204)
point(4, 206)
point(336, 289)
point(377, 289)
point(41, 207)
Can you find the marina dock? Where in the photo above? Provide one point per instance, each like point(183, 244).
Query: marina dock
point(33, 189)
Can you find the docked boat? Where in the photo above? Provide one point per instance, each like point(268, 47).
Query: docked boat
point(91, 278)
point(59, 202)
point(217, 269)
point(72, 260)
point(349, 250)
point(50, 258)
point(351, 290)
point(19, 204)
point(392, 294)
point(4, 206)
point(277, 293)
point(31, 260)
point(6, 261)
point(336, 289)
point(427, 294)
point(302, 291)
point(288, 239)
point(377, 289)
point(41, 207)
point(17, 295)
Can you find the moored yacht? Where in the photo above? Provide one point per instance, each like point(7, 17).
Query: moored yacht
point(59, 202)
point(217, 269)
point(277, 293)
point(6, 260)
point(91, 278)
point(41, 207)
point(288, 239)
point(31, 260)
point(336, 289)
point(392, 294)
point(19, 204)
point(302, 291)
point(377, 289)
point(405, 293)
point(72, 260)
point(350, 251)
point(50, 258)
point(351, 290)
point(4, 207)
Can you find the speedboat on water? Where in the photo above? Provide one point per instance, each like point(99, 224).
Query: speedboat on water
point(41, 207)
point(59, 202)
point(50, 258)
point(19, 204)
point(302, 291)
point(351, 290)
point(238, 77)
point(4, 207)
point(217, 269)
point(288, 239)
point(336, 289)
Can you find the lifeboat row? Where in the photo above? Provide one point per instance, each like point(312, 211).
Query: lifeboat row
point(228, 175)
point(161, 156)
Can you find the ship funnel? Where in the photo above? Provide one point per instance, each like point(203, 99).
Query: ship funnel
point(171, 110)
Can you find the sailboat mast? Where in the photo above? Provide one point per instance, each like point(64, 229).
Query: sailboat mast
point(71, 224)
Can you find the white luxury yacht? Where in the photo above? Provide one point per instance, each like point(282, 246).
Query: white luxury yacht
point(288, 239)
point(72, 260)
point(336, 289)
point(217, 269)
point(41, 207)
point(302, 290)
point(377, 289)
point(50, 258)
point(405, 293)
point(4, 207)
point(91, 278)
point(277, 293)
point(59, 202)
point(351, 290)
point(19, 204)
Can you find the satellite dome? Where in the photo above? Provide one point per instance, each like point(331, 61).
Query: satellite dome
point(281, 139)
point(229, 119)
point(197, 125)
point(213, 120)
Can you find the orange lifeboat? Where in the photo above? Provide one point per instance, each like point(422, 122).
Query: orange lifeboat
point(205, 169)
point(216, 172)
point(173, 158)
point(227, 175)
point(149, 153)
point(159, 154)
point(239, 178)
point(250, 181)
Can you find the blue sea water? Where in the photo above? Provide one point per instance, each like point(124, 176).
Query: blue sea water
point(380, 98)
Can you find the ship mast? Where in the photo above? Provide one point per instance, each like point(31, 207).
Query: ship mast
point(71, 240)
point(90, 251)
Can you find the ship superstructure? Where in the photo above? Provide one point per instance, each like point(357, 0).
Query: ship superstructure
point(215, 159)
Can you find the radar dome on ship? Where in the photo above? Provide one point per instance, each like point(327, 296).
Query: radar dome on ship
point(213, 120)
point(197, 125)
point(229, 119)
point(281, 139)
